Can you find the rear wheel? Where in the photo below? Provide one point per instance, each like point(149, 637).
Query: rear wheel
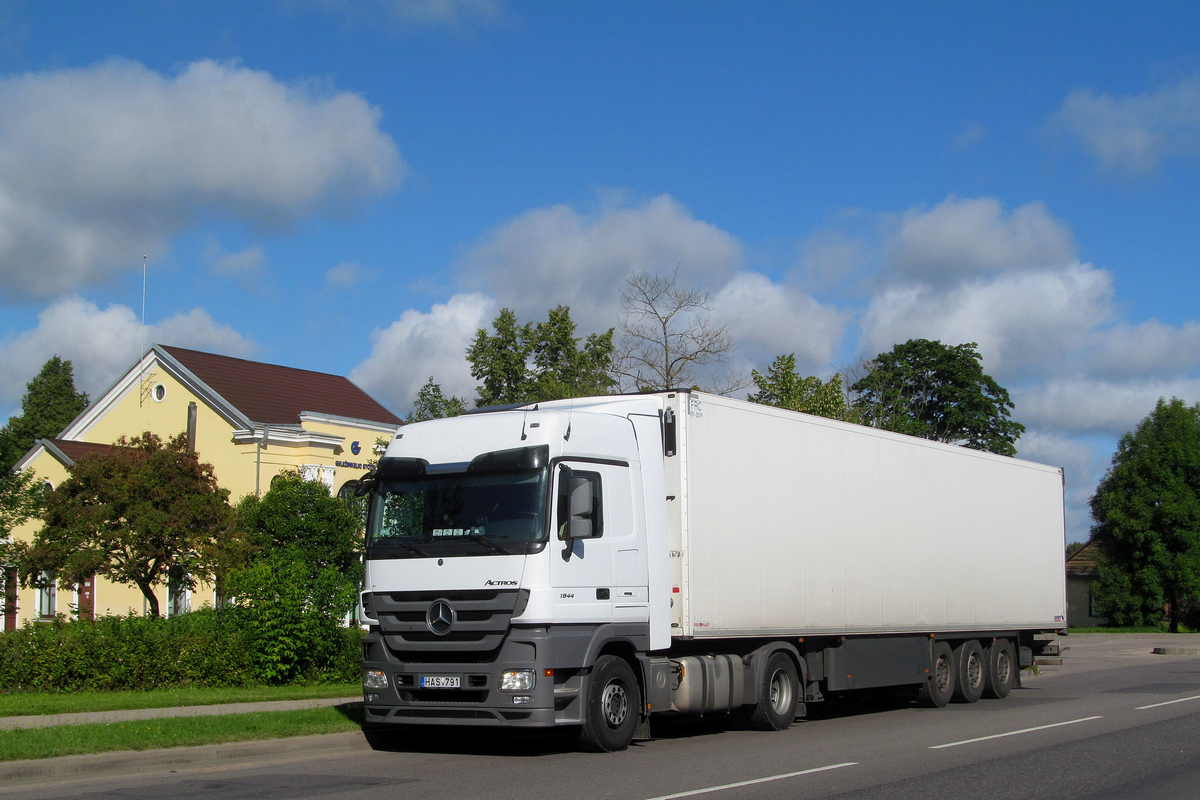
point(613, 706)
point(777, 695)
point(1001, 673)
point(971, 672)
point(939, 688)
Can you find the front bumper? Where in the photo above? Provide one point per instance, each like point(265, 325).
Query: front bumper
point(478, 698)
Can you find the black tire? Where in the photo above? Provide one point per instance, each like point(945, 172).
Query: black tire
point(970, 672)
point(1001, 669)
point(614, 705)
point(937, 690)
point(778, 694)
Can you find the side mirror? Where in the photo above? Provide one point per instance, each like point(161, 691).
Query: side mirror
point(577, 506)
point(366, 484)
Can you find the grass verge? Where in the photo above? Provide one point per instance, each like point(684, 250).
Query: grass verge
point(70, 740)
point(26, 703)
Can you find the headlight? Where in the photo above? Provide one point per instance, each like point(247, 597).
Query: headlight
point(516, 680)
point(375, 679)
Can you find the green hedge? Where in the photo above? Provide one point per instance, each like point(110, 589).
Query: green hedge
point(203, 648)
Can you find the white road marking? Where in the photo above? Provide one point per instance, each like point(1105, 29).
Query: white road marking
point(1169, 702)
point(1013, 733)
point(695, 792)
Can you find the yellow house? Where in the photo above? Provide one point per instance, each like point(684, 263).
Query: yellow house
point(250, 420)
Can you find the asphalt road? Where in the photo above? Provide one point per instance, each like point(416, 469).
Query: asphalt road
point(1114, 721)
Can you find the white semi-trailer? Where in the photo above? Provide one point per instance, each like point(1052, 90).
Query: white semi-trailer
point(593, 562)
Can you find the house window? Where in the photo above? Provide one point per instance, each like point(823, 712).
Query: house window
point(179, 597)
point(47, 596)
point(1091, 604)
point(319, 472)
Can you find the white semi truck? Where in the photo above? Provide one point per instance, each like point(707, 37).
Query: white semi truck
point(597, 561)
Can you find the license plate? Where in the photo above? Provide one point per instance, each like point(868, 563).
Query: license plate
point(440, 682)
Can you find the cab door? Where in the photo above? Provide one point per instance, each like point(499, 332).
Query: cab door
point(582, 569)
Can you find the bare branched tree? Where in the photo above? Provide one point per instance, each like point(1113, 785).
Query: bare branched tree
point(667, 338)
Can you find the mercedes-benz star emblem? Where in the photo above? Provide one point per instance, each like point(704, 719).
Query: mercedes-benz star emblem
point(440, 617)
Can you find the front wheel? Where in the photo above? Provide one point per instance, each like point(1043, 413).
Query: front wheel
point(777, 695)
point(613, 706)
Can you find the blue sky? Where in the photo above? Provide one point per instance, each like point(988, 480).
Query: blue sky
point(356, 187)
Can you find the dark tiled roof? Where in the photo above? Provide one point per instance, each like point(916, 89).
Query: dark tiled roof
point(74, 450)
point(270, 394)
point(1084, 561)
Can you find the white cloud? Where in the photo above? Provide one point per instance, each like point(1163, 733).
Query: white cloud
point(1089, 406)
point(768, 319)
point(1025, 323)
point(246, 265)
point(968, 271)
point(1149, 349)
point(829, 257)
point(417, 345)
point(557, 255)
point(103, 344)
point(102, 164)
point(454, 14)
point(1136, 132)
point(962, 238)
point(969, 134)
point(344, 275)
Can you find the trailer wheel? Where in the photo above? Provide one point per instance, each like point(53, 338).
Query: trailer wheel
point(777, 695)
point(613, 706)
point(971, 672)
point(939, 688)
point(1001, 669)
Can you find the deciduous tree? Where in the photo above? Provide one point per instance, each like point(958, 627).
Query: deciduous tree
point(783, 387)
point(527, 363)
point(136, 513)
point(1147, 519)
point(21, 496)
point(668, 339)
point(433, 404)
point(935, 391)
point(299, 575)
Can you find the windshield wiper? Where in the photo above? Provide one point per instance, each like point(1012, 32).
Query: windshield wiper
point(479, 538)
point(409, 547)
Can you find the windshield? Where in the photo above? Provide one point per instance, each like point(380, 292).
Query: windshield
point(458, 514)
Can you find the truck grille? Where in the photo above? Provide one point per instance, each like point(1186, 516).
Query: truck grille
point(480, 618)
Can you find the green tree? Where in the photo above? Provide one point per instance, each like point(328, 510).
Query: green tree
point(935, 391)
point(433, 404)
point(298, 575)
point(137, 513)
point(527, 363)
point(1146, 513)
point(783, 387)
point(21, 496)
point(49, 405)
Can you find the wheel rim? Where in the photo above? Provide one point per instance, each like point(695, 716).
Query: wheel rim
point(941, 673)
point(615, 702)
point(781, 692)
point(1003, 668)
point(975, 670)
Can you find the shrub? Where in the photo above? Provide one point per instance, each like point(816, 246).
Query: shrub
point(203, 648)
